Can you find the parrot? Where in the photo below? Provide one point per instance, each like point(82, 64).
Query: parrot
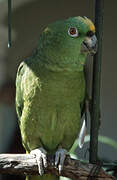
point(51, 91)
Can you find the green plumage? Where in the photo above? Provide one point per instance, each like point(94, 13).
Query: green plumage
point(50, 89)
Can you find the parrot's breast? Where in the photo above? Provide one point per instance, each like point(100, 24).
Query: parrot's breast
point(54, 112)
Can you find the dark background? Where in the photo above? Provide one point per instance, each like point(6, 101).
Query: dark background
point(29, 18)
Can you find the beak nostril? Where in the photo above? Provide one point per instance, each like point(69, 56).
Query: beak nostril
point(90, 34)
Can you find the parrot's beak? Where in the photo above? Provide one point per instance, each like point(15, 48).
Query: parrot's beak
point(90, 45)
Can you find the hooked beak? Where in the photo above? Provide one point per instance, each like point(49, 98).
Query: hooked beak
point(90, 45)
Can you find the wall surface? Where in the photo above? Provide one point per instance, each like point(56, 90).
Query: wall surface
point(30, 17)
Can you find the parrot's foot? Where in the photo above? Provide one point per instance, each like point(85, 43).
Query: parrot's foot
point(41, 157)
point(59, 158)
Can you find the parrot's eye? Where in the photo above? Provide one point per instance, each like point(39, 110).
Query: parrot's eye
point(73, 32)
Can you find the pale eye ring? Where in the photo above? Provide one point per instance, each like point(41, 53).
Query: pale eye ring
point(73, 32)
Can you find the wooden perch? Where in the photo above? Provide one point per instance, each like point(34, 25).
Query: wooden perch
point(25, 164)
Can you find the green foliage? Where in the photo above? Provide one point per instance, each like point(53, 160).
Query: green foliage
point(104, 140)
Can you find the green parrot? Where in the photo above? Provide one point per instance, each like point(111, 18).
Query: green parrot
point(51, 91)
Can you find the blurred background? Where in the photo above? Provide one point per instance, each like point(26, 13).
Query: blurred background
point(29, 18)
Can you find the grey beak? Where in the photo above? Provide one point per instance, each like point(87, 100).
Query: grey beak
point(90, 44)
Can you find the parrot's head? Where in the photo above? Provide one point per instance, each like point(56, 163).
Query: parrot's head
point(65, 44)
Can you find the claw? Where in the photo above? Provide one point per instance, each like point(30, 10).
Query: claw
point(60, 158)
point(41, 158)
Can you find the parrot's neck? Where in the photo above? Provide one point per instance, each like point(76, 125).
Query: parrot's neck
point(65, 64)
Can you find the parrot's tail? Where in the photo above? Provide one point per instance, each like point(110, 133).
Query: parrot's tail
point(44, 177)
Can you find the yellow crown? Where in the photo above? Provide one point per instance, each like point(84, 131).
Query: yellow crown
point(90, 24)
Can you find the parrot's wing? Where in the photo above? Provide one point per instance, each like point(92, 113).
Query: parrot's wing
point(88, 72)
point(19, 95)
point(85, 109)
point(82, 134)
point(84, 114)
point(27, 83)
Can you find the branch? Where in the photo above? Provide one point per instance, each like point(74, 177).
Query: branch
point(25, 164)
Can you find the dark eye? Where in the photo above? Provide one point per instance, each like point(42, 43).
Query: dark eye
point(90, 33)
point(73, 32)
